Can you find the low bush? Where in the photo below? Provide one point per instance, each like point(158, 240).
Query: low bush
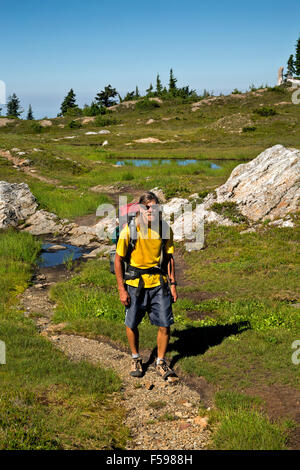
point(105, 120)
point(146, 105)
point(127, 176)
point(202, 194)
point(35, 128)
point(74, 111)
point(74, 124)
point(276, 89)
point(230, 210)
point(93, 110)
point(265, 111)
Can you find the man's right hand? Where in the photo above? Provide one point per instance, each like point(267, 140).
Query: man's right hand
point(125, 298)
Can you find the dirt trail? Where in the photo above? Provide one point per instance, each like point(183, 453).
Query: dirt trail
point(19, 164)
point(159, 415)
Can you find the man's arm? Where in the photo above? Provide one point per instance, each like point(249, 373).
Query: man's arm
point(124, 296)
point(171, 274)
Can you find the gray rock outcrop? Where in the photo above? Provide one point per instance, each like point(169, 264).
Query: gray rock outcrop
point(266, 187)
point(43, 222)
point(82, 235)
point(16, 203)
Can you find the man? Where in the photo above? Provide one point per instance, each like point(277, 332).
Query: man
point(146, 288)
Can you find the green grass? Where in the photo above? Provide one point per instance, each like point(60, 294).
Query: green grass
point(47, 401)
point(91, 294)
point(249, 430)
point(264, 358)
point(66, 204)
point(258, 266)
point(240, 425)
point(17, 255)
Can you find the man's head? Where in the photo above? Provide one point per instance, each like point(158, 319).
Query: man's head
point(149, 206)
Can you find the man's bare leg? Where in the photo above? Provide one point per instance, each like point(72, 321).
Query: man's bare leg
point(136, 364)
point(133, 339)
point(163, 338)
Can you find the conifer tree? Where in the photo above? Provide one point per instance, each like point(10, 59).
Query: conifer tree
point(297, 58)
point(290, 66)
point(159, 87)
point(137, 93)
point(30, 114)
point(68, 102)
point(129, 96)
point(93, 109)
point(105, 97)
point(13, 107)
point(149, 90)
point(172, 83)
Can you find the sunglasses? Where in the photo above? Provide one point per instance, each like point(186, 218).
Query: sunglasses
point(154, 207)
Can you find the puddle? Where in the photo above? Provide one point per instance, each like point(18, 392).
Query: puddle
point(151, 162)
point(55, 258)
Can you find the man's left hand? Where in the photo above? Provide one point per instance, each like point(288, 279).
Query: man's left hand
point(174, 293)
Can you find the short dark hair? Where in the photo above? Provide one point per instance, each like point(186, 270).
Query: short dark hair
point(148, 196)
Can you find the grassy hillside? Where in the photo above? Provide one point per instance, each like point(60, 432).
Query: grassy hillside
point(219, 127)
point(226, 130)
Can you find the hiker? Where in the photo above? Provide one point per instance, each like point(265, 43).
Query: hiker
point(146, 281)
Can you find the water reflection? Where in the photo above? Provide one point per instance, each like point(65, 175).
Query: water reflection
point(151, 162)
point(57, 257)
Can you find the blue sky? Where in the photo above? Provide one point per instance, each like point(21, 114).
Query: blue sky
point(49, 47)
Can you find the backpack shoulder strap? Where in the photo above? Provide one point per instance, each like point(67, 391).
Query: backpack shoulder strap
point(163, 242)
point(132, 236)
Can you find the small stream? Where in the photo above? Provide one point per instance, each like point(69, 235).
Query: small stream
point(49, 258)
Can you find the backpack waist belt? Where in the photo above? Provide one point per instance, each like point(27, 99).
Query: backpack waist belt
point(136, 273)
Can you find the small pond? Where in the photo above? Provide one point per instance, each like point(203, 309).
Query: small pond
point(49, 258)
point(151, 162)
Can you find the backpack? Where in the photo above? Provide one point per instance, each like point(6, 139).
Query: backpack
point(127, 215)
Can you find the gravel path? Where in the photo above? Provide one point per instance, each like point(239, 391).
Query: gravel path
point(160, 415)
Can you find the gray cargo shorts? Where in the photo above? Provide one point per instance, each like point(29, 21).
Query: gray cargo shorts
point(153, 301)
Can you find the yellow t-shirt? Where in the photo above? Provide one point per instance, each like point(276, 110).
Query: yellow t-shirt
point(146, 253)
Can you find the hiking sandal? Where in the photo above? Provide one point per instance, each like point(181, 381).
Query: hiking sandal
point(166, 372)
point(136, 369)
